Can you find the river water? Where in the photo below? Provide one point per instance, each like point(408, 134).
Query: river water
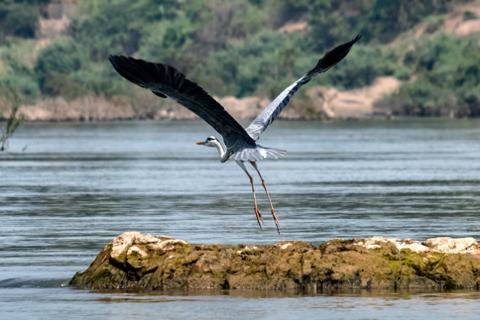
point(67, 189)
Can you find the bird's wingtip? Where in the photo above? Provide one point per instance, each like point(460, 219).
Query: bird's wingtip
point(354, 40)
point(113, 58)
point(333, 56)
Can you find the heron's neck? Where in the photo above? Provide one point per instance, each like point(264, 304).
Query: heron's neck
point(221, 150)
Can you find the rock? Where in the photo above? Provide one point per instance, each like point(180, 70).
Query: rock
point(121, 244)
point(127, 244)
point(144, 262)
point(374, 242)
point(414, 246)
point(449, 245)
point(442, 244)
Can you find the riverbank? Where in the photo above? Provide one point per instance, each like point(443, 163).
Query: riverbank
point(317, 103)
point(143, 262)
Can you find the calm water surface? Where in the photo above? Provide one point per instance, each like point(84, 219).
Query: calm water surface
point(67, 189)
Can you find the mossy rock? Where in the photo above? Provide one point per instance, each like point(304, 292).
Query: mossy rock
point(142, 262)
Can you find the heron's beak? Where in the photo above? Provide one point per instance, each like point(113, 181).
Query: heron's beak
point(200, 142)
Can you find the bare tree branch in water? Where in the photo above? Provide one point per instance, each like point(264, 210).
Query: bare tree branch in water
point(13, 122)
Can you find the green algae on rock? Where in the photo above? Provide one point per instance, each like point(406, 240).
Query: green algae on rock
point(143, 262)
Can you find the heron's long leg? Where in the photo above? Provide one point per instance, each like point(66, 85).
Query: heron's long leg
point(264, 184)
point(258, 215)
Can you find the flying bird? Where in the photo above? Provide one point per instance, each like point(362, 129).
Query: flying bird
point(239, 144)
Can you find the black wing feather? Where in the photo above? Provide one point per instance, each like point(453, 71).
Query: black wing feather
point(164, 80)
point(333, 57)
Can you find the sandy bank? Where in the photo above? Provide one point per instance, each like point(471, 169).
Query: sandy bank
point(319, 103)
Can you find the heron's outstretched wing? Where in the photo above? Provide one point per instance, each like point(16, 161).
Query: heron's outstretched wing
point(165, 81)
point(266, 117)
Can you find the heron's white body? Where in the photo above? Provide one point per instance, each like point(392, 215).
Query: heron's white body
point(254, 153)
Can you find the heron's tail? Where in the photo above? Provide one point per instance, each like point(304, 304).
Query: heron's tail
point(259, 153)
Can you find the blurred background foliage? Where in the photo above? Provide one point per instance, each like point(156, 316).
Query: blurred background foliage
point(243, 47)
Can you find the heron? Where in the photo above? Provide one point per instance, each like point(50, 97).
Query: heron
point(239, 144)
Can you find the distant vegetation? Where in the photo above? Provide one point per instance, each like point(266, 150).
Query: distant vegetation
point(447, 81)
point(236, 48)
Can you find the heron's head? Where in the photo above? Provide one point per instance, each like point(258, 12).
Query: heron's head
point(209, 142)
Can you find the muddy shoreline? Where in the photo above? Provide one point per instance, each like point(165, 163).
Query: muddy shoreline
point(317, 103)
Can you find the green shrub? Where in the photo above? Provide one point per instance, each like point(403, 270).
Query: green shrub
point(19, 18)
point(25, 85)
point(421, 98)
point(18, 78)
point(56, 63)
point(248, 67)
point(117, 26)
point(363, 65)
point(447, 80)
point(101, 79)
point(379, 21)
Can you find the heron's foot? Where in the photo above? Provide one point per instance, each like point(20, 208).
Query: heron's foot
point(259, 217)
point(275, 219)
